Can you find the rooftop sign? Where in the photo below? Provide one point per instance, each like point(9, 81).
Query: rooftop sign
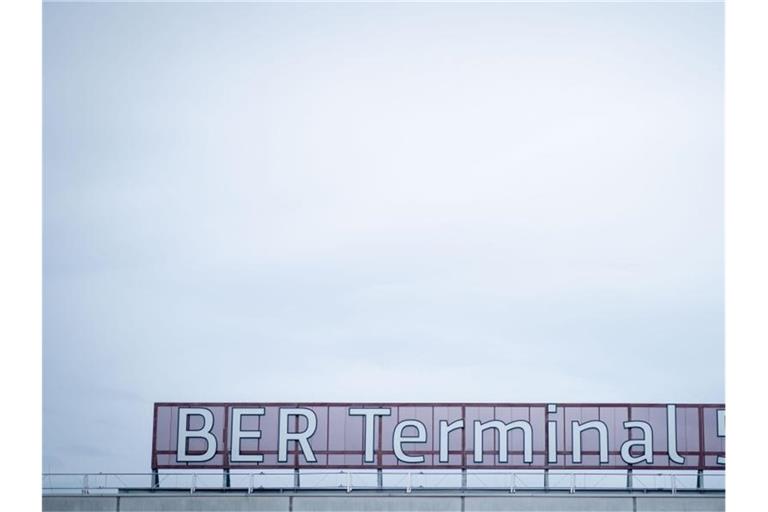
point(438, 436)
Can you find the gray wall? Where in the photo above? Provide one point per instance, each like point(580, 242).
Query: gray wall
point(367, 502)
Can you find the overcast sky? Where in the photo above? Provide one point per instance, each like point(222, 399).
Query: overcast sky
point(411, 202)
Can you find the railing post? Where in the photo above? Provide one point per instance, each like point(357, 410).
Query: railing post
point(408, 483)
point(250, 483)
point(380, 478)
point(700, 479)
point(226, 478)
point(573, 483)
point(194, 484)
point(546, 479)
point(85, 484)
point(674, 483)
point(296, 478)
point(155, 479)
point(512, 478)
point(349, 481)
point(629, 479)
point(464, 478)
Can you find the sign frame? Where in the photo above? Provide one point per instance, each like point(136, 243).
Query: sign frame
point(294, 451)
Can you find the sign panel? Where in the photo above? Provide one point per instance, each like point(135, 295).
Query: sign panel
point(438, 436)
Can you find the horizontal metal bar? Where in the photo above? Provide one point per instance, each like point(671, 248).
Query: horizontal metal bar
point(399, 481)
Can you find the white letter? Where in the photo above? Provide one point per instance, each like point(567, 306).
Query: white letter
point(504, 429)
point(302, 437)
point(369, 415)
point(672, 436)
point(552, 436)
point(602, 431)
point(398, 440)
point(237, 434)
point(204, 433)
point(445, 429)
point(646, 442)
point(720, 431)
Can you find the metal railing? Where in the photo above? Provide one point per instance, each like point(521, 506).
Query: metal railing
point(398, 481)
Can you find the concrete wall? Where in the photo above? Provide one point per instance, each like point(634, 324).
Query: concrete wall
point(376, 503)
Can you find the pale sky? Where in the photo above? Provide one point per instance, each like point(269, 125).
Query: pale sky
point(411, 202)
